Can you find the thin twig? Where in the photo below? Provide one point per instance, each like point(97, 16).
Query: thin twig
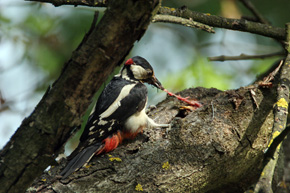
point(245, 57)
point(267, 81)
point(253, 95)
point(182, 21)
point(212, 107)
point(248, 4)
point(259, 17)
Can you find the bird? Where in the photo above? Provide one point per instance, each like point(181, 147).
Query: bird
point(118, 114)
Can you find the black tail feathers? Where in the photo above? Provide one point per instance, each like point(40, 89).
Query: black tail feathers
point(80, 159)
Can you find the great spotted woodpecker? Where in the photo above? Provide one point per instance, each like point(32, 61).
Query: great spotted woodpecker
point(118, 114)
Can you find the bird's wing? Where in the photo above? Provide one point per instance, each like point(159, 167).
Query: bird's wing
point(134, 102)
point(118, 101)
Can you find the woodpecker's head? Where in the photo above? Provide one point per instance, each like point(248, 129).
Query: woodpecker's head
point(137, 68)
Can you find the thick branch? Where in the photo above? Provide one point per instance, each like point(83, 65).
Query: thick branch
point(232, 24)
point(245, 57)
point(182, 21)
point(279, 130)
point(216, 148)
point(41, 136)
point(91, 3)
point(282, 102)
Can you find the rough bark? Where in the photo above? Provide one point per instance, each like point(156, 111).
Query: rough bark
point(218, 147)
point(221, 22)
point(41, 135)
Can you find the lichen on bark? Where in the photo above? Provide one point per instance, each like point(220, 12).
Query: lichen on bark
point(216, 147)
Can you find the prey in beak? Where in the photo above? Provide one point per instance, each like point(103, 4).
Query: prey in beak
point(155, 82)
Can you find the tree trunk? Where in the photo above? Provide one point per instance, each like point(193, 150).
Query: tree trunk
point(218, 147)
point(41, 136)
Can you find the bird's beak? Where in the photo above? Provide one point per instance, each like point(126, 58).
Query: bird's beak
point(155, 82)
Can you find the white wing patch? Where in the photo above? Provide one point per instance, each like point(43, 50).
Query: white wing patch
point(114, 106)
point(91, 141)
point(102, 122)
point(102, 133)
point(92, 132)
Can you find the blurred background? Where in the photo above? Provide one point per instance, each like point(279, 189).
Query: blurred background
point(36, 39)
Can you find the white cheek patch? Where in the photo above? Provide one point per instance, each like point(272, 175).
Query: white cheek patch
point(139, 72)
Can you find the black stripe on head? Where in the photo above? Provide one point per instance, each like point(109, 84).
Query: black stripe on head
point(138, 60)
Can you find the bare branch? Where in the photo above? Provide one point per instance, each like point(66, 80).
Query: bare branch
point(205, 19)
point(232, 24)
point(282, 102)
point(279, 130)
point(267, 81)
point(179, 159)
point(182, 21)
point(90, 3)
point(248, 4)
point(245, 57)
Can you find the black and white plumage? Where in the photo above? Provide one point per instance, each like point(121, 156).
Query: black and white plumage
point(118, 114)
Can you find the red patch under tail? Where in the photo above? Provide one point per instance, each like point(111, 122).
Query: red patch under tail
point(111, 143)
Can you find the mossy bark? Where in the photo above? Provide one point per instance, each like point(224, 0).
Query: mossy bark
point(216, 148)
